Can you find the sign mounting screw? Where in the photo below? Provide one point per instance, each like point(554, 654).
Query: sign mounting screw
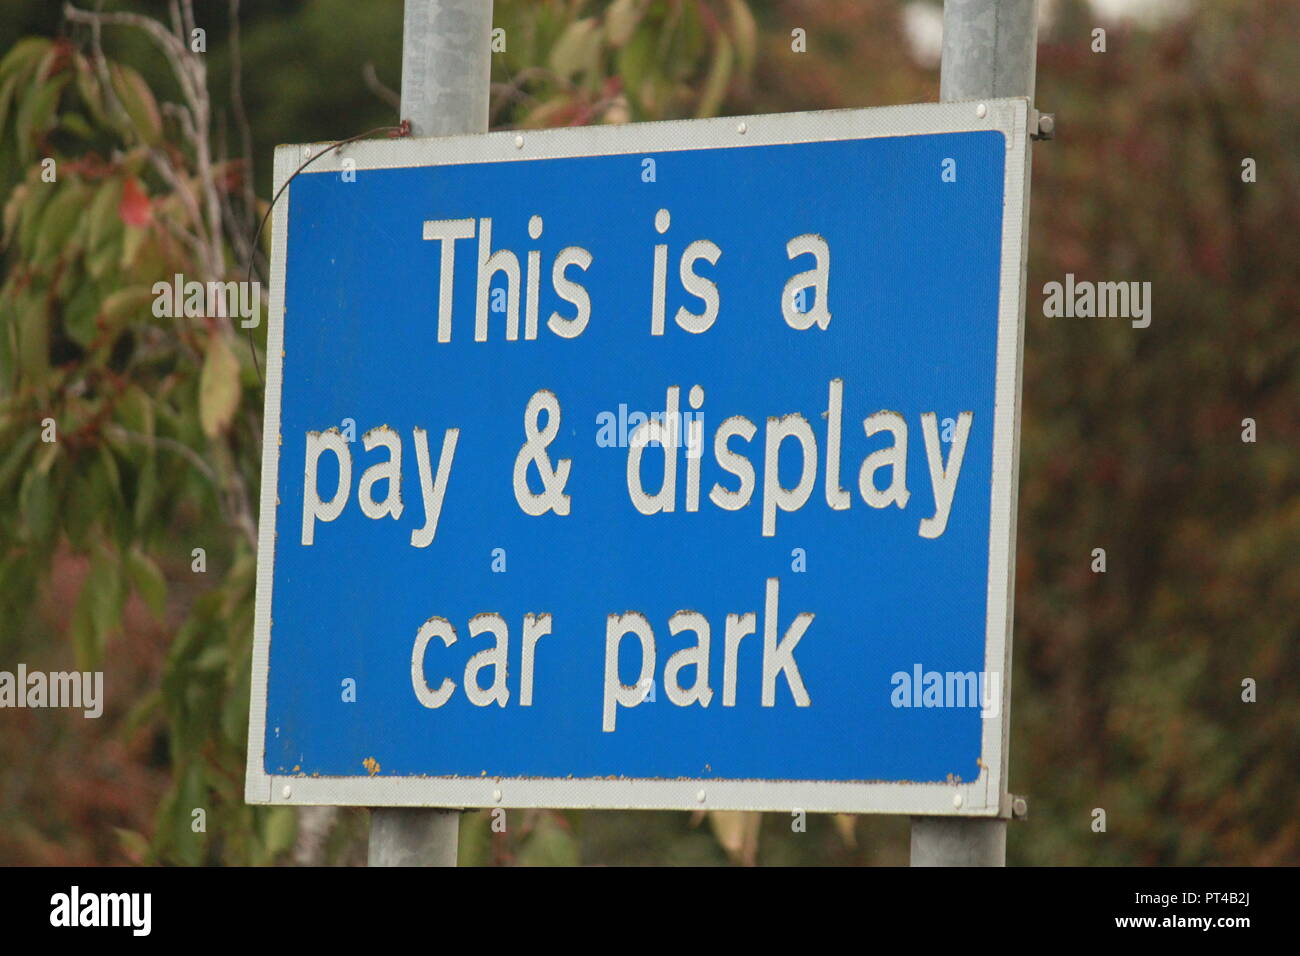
point(981, 111)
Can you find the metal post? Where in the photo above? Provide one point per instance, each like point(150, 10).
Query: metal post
point(446, 66)
point(413, 836)
point(990, 50)
point(943, 841)
point(446, 77)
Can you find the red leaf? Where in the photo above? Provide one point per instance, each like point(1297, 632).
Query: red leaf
point(134, 207)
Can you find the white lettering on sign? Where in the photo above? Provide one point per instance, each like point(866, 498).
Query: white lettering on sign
point(508, 302)
point(657, 437)
point(503, 263)
point(778, 660)
point(804, 298)
point(882, 476)
point(496, 659)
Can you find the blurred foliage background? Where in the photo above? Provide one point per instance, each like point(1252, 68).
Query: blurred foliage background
point(1128, 685)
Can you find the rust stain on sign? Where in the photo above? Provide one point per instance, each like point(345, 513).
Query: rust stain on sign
point(371, 765)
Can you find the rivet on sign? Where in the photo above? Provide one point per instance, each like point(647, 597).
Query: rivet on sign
point(519, 142)
point(287, 792)
point(306, 150)
point(496, 796)
point(741, 128)
point(956, 799)
point(981, 111)
point(699, 797)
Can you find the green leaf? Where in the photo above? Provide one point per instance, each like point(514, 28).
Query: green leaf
point(77, 125)
point(24, 56)
point(36, 114)
point(576, 48)
point(745, 32)
point(36, 199)
point(279, 830)
point(16, 70)
point(78, 513)
point(635, 59)
point(99, 609)
point(44, 459)
point(90, 91)
point(148, 581)
point(68, 279)
point(103, 593)
point(145, 709)
point(621, 20)
point(133, 845)
point(79, 314)
point(33, 338)
point(135, 410)
point(104, 261)
point(13, 210)
point(475, 843)
point(35, 505)
point(14, 458)
point(715, 86)
point(125, 305)
point(190, 795)
point(138, 99)
point(134, 239)
point(112, 477)
point(234, 713)
point(550, 844)
point(211, 658)
point(66, 212)
point(690, 43)
point(103, 219)
point(146, 494)
point(7, 90)
point(263, 207)
point(8, 352)
point(218, 386)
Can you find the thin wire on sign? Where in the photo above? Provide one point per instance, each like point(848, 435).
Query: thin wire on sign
point(403, 129)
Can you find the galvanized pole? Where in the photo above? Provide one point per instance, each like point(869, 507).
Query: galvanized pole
point(413, 836)
point(952, 841)
point(446, 66)
point(990, 50)
point(446, 75)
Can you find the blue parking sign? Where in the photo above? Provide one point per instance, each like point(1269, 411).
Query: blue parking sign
point(668, 466)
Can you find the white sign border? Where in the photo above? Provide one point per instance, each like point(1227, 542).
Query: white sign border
point(985, 796)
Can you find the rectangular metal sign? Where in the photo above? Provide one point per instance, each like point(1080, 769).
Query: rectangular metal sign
point(669, 465)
